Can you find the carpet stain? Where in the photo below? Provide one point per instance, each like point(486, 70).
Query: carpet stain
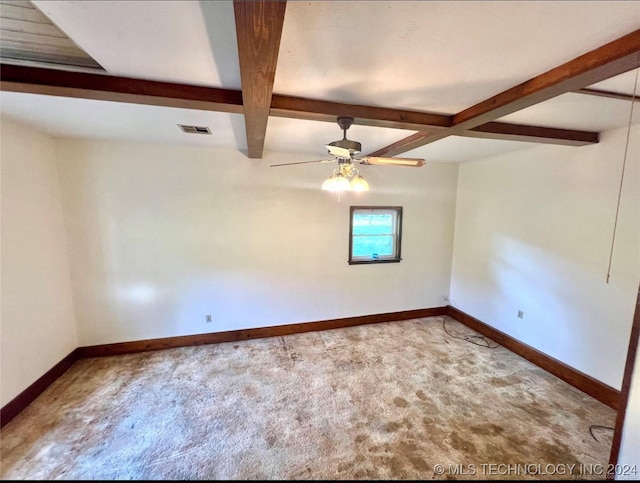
point(271, 440)
point(379, 401)
point(489, 429)
point(535, 410)
point(557, 453)
point(400, 402)
point(462, 444)
point(398, 467)
point(502, 381)
point(391, 427)
point(579, 412)
point(418, 464)
point(406, 422)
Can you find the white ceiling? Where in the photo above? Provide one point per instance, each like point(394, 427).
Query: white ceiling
point(174, 41)
point(577, 111)
point(622, 84)
point(83, 118)
point(435, 56)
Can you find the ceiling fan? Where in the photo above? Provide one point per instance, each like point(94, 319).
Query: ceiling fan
point(346, 176)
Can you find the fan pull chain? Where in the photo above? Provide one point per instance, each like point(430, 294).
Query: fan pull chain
point(624, 164)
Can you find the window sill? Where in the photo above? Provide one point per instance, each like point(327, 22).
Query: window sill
point(369, 262)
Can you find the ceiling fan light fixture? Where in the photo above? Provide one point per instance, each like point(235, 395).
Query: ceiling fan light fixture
point(328, 184)
point(336, 182)
point(346, 176)
point(358, 183)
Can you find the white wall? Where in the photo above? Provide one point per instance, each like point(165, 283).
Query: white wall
point(533, 233)
point(162, 235)
point(38, 327)
point(630, 448)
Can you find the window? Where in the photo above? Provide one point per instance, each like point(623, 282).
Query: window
point(374, 234)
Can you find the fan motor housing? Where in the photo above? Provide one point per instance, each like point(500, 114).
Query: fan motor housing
point(354, 147)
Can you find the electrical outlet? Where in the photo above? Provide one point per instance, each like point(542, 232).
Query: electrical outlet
point(520, 314)
point(209, 319)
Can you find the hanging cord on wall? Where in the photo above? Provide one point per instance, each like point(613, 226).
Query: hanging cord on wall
point(624, 164)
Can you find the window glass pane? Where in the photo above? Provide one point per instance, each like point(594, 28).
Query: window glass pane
point(373, 224)
point(375, 234)
point(373, 246)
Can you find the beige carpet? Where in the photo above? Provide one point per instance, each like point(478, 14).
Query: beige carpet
point(381, 401)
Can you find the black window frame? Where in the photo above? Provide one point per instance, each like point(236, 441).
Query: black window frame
point(398, 235)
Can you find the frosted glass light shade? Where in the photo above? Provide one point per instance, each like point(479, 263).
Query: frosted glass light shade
point(359, 184)
point(336, 183)
point(328, 184)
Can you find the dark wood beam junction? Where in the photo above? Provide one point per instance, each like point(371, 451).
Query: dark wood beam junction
point(609, 60)
point(310, 109)
point(258, 30)
point(35, 80)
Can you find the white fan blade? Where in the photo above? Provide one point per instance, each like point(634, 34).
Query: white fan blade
point(338, 151)
point(304, 162)
point(411, 162)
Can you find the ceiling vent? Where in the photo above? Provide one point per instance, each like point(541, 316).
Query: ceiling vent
point(195, 129)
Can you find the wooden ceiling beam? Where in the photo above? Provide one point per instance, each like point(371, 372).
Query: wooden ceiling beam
point(609, 60)
point(317, 110)
point(532, 134)
point(258, 30)
point(50, 82)
point(35, 80)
